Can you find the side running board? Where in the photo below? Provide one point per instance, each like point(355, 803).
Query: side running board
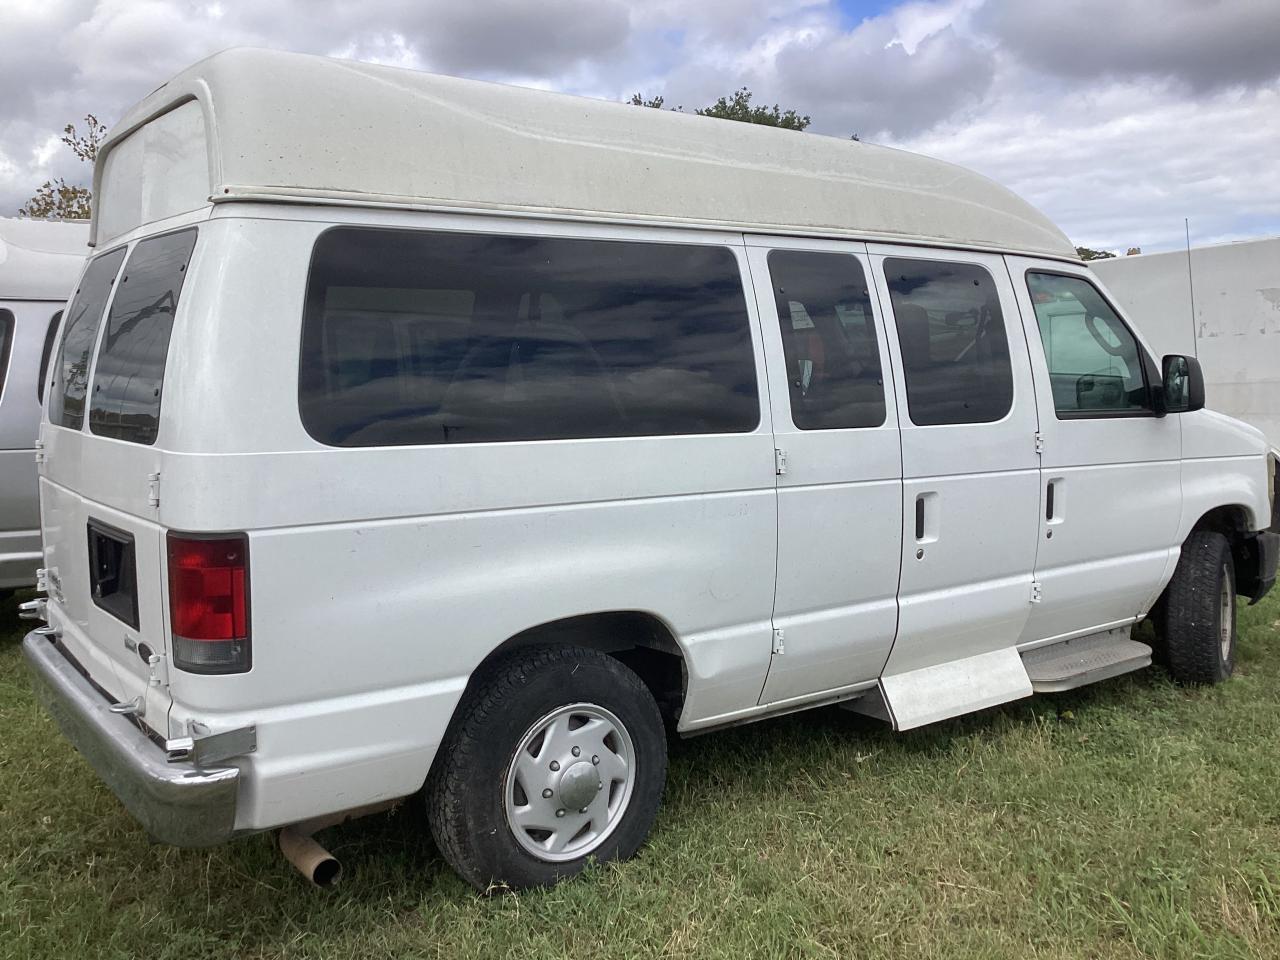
point(1073, 663)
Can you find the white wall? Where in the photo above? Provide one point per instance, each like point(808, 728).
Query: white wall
point(1236, 319)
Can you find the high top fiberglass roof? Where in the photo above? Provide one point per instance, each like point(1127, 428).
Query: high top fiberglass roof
point(41, 259)
point(289, 127)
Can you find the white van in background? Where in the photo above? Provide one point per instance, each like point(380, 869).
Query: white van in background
point(39, 263)
point(417, 436)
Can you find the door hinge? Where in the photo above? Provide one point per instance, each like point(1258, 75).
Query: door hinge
point(779, 461)
point(1036, 593)
point(778, 648)
point(39, 451)
point(158, 669)
point(153, 489)
point(1039, 442)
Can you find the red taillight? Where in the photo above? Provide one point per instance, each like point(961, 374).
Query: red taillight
point(209, 602)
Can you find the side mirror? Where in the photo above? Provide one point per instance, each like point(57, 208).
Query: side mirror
point(1183, 384)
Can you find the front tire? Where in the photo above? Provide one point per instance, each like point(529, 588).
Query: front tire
point(558, 756)
point(1200, 611)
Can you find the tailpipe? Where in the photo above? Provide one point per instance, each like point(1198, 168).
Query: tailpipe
point(300, 848)
point(313, 861)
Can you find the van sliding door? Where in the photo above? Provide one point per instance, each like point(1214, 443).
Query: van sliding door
point(839, 468)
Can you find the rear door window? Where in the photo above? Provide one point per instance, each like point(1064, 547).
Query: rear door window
point(828, 340)
point(50, 337)
point(128, 378)
point(414, 337)
point(955, 352)
point(84, 314)
point(6, 344)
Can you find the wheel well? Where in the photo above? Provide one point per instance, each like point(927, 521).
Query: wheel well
point(638, 639)
point(1231, 521)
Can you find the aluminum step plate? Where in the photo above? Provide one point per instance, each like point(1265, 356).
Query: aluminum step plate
point(945, 690)
point(1073, 663)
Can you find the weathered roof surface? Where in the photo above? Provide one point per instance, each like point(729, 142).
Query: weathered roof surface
point(41, 259)
point(289, 126)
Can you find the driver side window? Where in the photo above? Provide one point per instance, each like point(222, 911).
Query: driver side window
point(1095, 366)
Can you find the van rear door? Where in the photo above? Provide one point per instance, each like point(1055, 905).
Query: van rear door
point(99, 482)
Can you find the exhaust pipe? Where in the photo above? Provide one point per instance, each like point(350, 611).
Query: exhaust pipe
point(313, 861)
point(318, 865)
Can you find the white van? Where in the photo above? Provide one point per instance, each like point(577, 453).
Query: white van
point(39, 263)
point(412, 435)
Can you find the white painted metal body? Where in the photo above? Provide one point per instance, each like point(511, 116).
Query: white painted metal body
point(1233, 328)
point(39, 263)
point(382, 577)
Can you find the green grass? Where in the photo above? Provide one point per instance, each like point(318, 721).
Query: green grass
point(1131, 819)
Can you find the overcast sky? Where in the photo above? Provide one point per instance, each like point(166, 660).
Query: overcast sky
point(1116, 117)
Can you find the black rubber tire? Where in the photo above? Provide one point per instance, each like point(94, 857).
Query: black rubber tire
point(465, 803)
point(1192, 611)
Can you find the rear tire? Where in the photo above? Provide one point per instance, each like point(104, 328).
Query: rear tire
point(557, 757)
point(1199, 615)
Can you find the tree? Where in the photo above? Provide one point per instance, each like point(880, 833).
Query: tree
point(58, 200)
point(654, 102)
point(1086, 254)
point(736, 107)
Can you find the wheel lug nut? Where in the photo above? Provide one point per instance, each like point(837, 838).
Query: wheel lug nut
point(583, 810)
point(595, 760)
point(600, 785)
point(559, 813)
point(547, 793)
point(577, 751)
point(555, 764)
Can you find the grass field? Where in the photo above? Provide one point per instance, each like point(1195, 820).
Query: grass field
point(1131, 819)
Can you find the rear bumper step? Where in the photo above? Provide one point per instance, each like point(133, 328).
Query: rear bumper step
point(177, 803)
point(1074, 663)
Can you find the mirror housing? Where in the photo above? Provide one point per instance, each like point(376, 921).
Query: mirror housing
point(1183, 384)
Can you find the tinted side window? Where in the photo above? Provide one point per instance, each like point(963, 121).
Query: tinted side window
point(71, 370)
point(49, 337)
point(412, 337)
point(828, 340)
point(1094, 362)
point(6, 344)
point(129, 375)
point(955, 353)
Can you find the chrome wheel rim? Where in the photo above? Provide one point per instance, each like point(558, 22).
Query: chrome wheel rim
point(569, 782)
point(1226, 615)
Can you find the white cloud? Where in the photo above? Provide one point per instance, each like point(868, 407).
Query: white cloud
point(1121, 163)
point(1202, 44)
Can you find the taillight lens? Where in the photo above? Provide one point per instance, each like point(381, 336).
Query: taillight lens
point(209, 602)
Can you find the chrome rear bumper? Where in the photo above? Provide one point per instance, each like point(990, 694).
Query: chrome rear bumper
point(177, 803)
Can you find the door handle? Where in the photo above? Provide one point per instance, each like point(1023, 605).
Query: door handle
point(1053, 506)
point(926, 525)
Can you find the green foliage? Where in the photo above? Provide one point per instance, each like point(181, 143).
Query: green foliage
point(1086, 254)
point(58, 200)
point(654, 102)
point(736, 107)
